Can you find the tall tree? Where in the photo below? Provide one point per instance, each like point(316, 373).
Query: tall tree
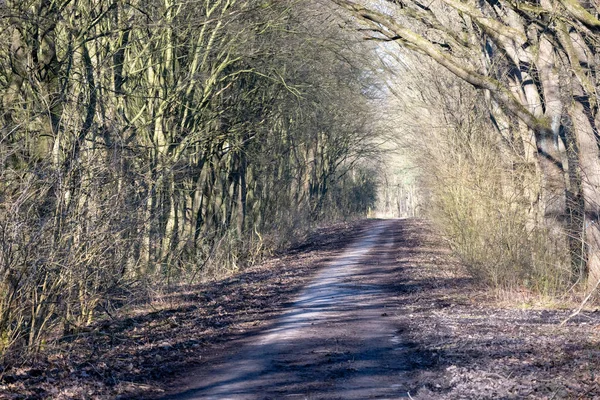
point(145, 141)
point(537, 63)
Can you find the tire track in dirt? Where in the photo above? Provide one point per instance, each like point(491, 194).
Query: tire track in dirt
point(334, 342)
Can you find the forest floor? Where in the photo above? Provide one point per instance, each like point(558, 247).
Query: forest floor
point(403, 320)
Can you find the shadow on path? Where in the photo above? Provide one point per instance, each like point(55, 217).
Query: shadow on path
point(334, 341)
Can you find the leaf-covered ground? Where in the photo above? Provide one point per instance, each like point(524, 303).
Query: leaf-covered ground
point(134, 354)
point(465, 345)
point(458, 341)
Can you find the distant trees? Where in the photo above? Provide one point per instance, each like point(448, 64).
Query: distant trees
point(163, 139)
point(535, 64)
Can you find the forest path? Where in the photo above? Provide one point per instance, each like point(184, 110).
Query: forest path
point(335, 341)
point(381, 311)
point(371, 309)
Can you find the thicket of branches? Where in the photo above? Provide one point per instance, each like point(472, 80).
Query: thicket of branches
point(475, 195)
point(164, 139)
point(517, 157)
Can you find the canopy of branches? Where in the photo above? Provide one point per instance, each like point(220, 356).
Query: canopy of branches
point(165, 139)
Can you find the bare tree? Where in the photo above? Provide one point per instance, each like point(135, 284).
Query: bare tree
point(153, 141)
point(536, 63)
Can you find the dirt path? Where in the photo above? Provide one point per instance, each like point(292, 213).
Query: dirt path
point(393, 316)
point(373, 309)
point(334, 341)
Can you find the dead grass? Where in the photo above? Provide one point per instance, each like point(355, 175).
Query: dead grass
point(466, 341)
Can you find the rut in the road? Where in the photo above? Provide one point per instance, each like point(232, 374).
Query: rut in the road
point(335, 341)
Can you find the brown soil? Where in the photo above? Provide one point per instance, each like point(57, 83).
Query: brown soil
point(449, 339)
